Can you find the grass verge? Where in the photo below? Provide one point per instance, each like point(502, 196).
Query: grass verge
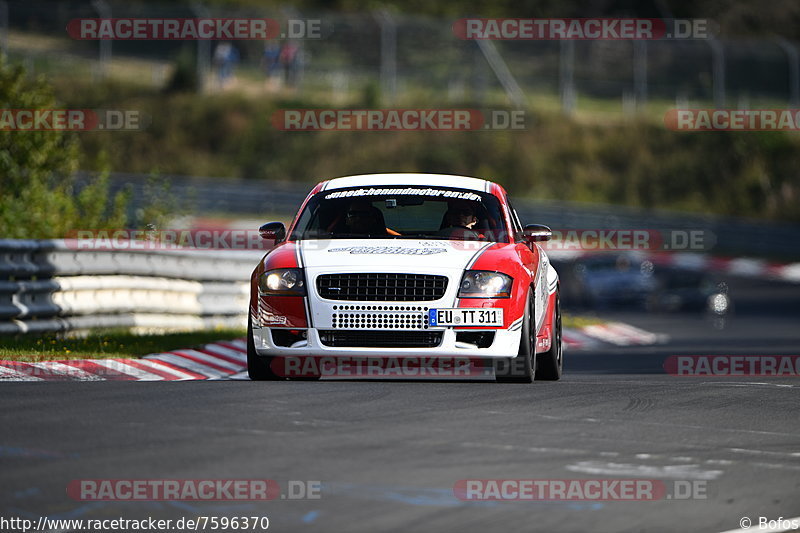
point(102, 345)
point(577, 322)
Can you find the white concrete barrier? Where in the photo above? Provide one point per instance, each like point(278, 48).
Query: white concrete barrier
point(50, 286)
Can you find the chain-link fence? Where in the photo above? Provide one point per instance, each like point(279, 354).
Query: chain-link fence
point(394, 59)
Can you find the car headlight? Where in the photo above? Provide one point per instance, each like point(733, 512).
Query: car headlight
point(282, 282)
point(485, 284)
point(718, 303)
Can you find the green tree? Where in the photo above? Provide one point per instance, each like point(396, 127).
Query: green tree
point(39, 195)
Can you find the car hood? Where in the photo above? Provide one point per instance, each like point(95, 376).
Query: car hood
point(381, 254)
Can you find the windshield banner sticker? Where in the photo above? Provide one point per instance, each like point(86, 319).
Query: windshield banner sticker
point(389, 250)
point(439, 193)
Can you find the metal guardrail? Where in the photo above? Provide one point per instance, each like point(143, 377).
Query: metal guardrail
point(253, 198)
point(49, 286)
point(216, 195)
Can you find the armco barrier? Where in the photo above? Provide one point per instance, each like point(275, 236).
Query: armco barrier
point(49, 286)
point(732, 236)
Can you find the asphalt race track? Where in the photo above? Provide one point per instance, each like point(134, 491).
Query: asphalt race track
point(388, 454)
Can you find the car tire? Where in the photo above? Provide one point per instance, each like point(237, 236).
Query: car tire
point(258, 367)
point(522, 368)
point(549, 365)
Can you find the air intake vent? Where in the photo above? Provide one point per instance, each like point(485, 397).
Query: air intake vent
point(380, 339)
point(381, 287)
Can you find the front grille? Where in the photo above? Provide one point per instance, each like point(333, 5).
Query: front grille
point(380, 339)
point(380, 287)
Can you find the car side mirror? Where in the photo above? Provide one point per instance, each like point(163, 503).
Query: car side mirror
point(273, 231)
point(536, 233)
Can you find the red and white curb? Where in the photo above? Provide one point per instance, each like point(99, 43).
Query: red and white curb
point(219, 360)
point(228, 359)
point(616, 333)
point(739, 266)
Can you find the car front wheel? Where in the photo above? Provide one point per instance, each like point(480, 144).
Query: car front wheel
point(258, 367)
point(550, 364)
point(522, 368)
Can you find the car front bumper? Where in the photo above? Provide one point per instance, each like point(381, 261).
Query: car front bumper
point(506, 344)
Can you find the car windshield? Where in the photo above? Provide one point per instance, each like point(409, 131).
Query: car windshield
point(402, 212)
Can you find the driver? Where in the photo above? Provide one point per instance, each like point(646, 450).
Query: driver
point(459, 220)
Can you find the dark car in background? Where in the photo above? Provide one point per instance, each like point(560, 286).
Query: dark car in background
point(680, 289)
point(613, 280)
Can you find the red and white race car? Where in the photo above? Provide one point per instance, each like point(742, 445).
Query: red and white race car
point(406, 266)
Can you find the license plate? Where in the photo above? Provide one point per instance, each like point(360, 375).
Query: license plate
point(473, 316)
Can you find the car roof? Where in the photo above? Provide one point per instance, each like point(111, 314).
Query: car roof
point(436, 180)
